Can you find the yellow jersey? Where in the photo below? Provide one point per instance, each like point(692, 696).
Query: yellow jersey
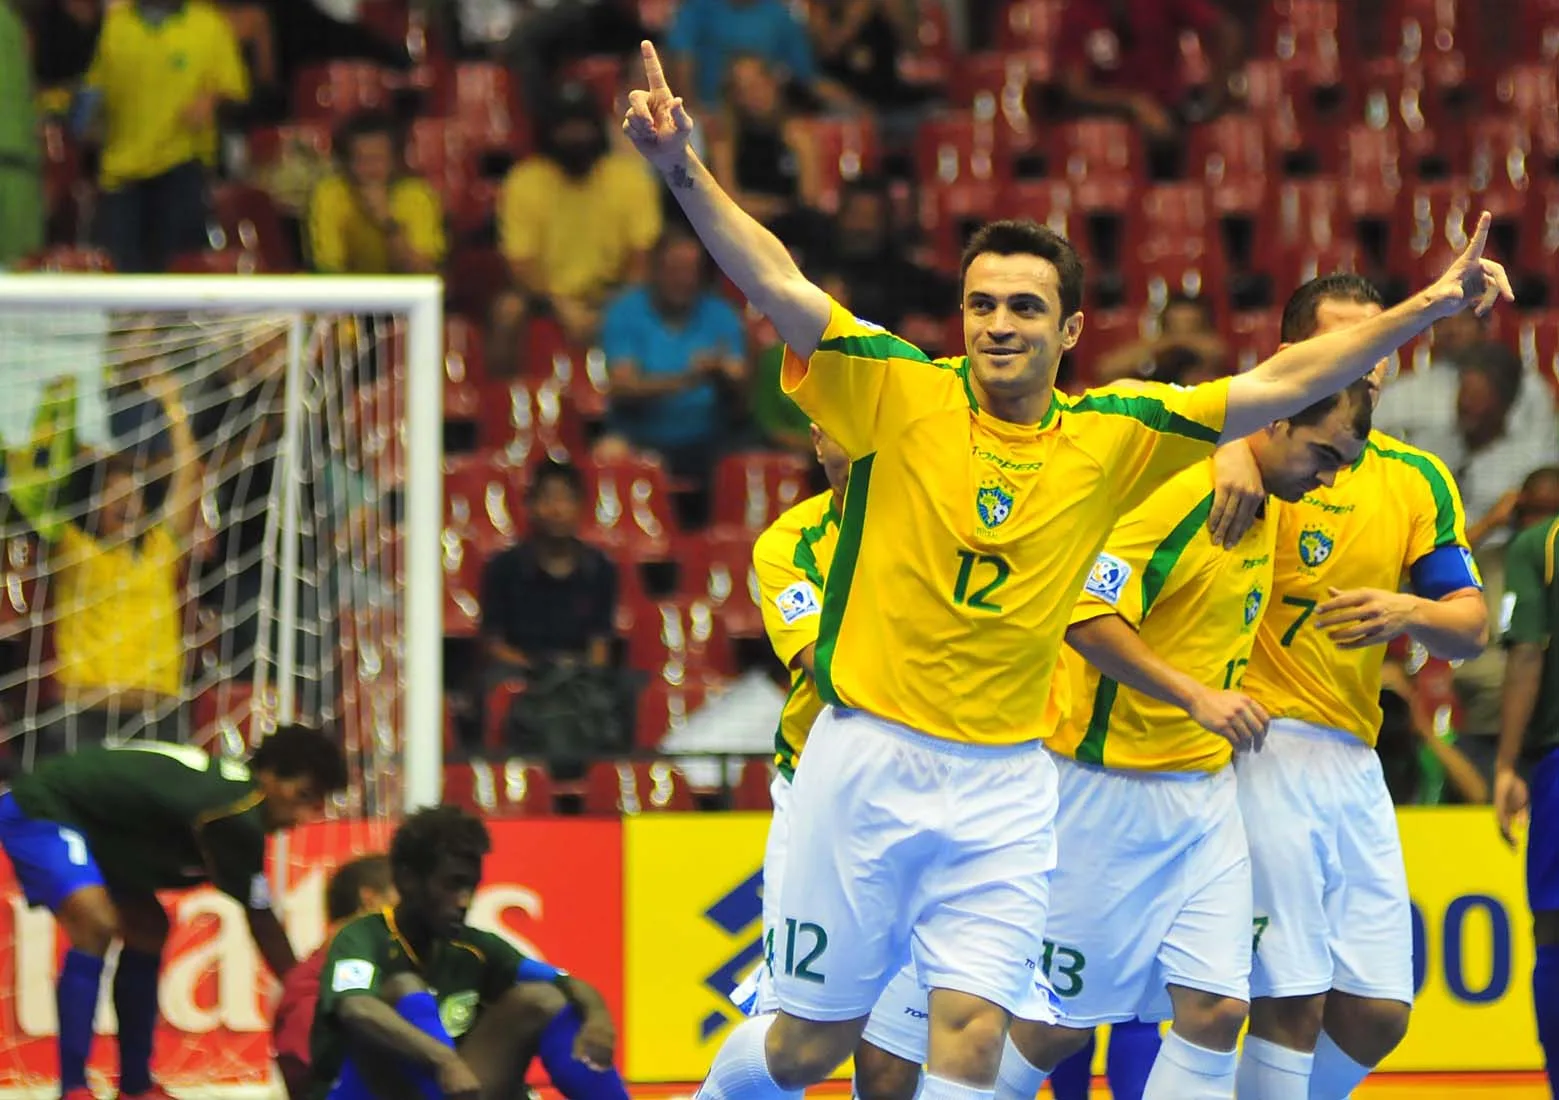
point(1192, 602)
point(791, 560)
point(964, 538)
point(1393, 507)
point(149, 74)
point(118, 612)
point(344, 240)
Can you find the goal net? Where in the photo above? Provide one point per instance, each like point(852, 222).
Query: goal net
point(210, 523)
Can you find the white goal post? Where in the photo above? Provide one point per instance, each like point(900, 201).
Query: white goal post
point(293, 304)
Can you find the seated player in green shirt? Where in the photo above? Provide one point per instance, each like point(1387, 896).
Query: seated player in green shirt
point(414, 1004)
point(94, 835)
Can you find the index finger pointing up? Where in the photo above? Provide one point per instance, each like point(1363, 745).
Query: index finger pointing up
point(1480, 236)
point(652, 70)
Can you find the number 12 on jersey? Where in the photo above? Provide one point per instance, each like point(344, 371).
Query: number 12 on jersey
point(979, 577)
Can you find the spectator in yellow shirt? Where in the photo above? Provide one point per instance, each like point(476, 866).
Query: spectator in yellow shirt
point(371, 217)
point(575, 221)
point(161, 70)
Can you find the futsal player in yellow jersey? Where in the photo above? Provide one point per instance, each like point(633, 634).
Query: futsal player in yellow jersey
point(922, 811)
point(1332, 916)
point(791, 560)
point(1152, 892)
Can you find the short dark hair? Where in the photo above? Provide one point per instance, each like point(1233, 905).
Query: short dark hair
point(1361, 396)
point(552, 470)
point(294, 752)
point(1540, 476)
point(366, 124)
point(1300, 315)
point(1022, 237)
point(344, 892)
point(1500, 364)
point(434, 832)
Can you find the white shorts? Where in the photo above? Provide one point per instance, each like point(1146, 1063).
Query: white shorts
point(904, 847)
point(1332, 908)
point(755, 995)
point(1153, 889)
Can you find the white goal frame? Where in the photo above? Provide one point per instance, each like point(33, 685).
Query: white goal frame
point(421, 300)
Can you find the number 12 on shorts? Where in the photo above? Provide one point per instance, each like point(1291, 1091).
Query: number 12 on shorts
point(803, 944)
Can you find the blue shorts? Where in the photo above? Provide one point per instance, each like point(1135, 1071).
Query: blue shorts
point(51, 860)
point(1543, 835)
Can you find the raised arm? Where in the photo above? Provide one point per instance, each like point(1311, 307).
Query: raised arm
point(752, 257)
point(1303, 373)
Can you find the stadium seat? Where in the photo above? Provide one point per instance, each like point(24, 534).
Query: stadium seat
point(1029, 25)
point(1230, 155)
point(529, 423)
point(580, 373)
point(1286, 116)
point(1313, 39)
point(462, 564)
point(1104, 161)
point(1538, 36)
point(751, 792)
point(1254, 335)
point(952, 211)
point(1172, 245)
point(338, 89)
point(470, 786)
point(955, 148)
point(249, 221)
point(436, 150)
point(19, 585)
point(1372, 170)
point(625, 787)
point(474, 276)
point(482, 499)
point(68, 258)
point(1530, 93)
point(482, 98)
point(268, 144)
point(526, 790)
point(847, 148)
point(1537, 336)
point(602, 73)
point(1108, 329)
point(752, 489)
point(465, 351)
point(664, 707)
point(629, 508)
point(679, 640)
point(716, 565)
point(495, 715)
point(995, 84)
point(226, 261)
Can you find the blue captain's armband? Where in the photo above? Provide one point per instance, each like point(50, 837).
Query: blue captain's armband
point(1444, 570)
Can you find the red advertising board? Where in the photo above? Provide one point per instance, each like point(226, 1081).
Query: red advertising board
point(554, 887)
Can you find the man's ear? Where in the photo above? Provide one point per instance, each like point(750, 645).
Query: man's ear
point(1072, 331)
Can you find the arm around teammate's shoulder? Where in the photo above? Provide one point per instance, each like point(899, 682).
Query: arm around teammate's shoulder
point(753, 258)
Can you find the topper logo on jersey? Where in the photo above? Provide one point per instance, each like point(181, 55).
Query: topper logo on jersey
point(1315, 546)
point(1253, 606)
point(993, 503)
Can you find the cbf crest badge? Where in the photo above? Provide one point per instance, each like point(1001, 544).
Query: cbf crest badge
point(457, 1013)
point(1315, 546)
point(1253, 600)
point(993, 502)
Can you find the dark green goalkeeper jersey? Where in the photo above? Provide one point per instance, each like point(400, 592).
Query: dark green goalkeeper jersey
point(1529, 616)
point(157, 817)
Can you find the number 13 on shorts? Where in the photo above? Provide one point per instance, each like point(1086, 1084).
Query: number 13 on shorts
point(797, 948)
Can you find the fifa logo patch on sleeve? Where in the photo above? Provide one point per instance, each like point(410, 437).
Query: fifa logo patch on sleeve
point(1108, 578)
point(352, 974)
point(797, 602)
point(1507, 612)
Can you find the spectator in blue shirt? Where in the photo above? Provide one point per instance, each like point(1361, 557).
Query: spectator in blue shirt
point(707, 35)
point(674, 349)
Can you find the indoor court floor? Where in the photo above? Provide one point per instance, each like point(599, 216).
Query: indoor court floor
point(1498, 1086)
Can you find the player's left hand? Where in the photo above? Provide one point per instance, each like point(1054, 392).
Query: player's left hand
point(1472, 279)
point(1363, 617)
point(596, 1044)
point(1238, 493)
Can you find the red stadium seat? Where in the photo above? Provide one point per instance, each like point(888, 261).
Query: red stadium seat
point(1254, 335)
point(227, 261)
point(339, 89)
point(955, 148)
point(1537, 336)
point(847, 148)
point(473, 277)
point(1539, 31)
point(951, 211)
point(436, 150)
point(1104, 161)
point(529, 423)
point(462, 563)
point(465, 352)
point(1286, 116)
point(63, 258)
point(1172, 245)
point(483, 99)
point(250, 222)
point(751, 792)
point(1313, 39)
point(464, 789)
point(1530, 93)
point(495, 715)
point(996, 84)
point(630, 507)
point(1372, 169)
point(579, 373)
point(513, 788)
point(1230, 155)
point(751, 490)
point(632, 788)
point(1108, 329)
point(679, 641)
point(717, 566)
point(482, 499)
point(663, 707)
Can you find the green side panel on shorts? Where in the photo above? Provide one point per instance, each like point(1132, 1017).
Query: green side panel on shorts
point(1444, 501)
point(840, 575)
point(1165, 556)
point(1090, 750)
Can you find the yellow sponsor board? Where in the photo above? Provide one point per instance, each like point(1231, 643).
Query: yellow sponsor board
point(692, 911)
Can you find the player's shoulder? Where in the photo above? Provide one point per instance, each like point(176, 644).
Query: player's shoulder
point(1156, 406)
point(1409, 467)
point(483, 943)
point(371, 928)
point(778, 540)
point(861, 338)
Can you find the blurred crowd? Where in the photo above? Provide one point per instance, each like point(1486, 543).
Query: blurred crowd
point(1206, 155)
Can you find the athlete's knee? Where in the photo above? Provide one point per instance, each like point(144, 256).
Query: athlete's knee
point(803, 1052)
point(883, 1076)
point(528, 1007)
point(1207, 1019)
point(89, 920)
point(1292, 1022)
point(967, 1036)
point(1366, 1028)
point(1046, 1046)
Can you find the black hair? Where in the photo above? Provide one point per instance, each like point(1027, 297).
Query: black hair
point(1539, 476)
point(294, 752)
point(344, 892)
point(1361, 396)
point(1028, 238)
point(867, 183)
point(434, 832)
point(1499, 364)
point(366, 124)
point(551, 470)
point(1300, 315)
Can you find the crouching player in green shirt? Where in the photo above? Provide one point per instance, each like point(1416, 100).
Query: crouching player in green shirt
point(94, 835)
point(415, 1004)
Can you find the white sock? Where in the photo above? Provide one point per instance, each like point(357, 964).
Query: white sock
point(1185, 1071)
point(1335, 1075)
point(1272, 1072)
point(1018, 1078)
point(741, 1069)
point(933, 1087)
